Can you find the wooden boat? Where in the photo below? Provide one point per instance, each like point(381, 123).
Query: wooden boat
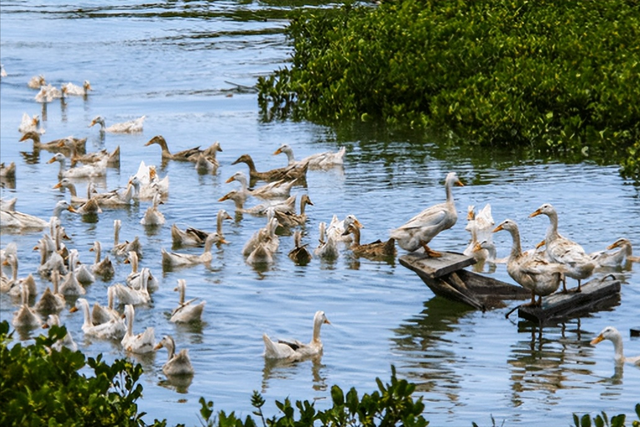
point(446, 277)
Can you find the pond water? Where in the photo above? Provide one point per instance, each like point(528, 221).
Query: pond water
point(179, 63)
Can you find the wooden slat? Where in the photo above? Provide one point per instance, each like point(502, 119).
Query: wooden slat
point(436, 267)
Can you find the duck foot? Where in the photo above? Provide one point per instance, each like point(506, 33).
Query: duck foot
point(430, 252)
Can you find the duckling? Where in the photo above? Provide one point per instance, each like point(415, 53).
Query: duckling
point(51, 301)
point(190, 155)
point(375, 250)
point(290, 218)
point(296, 350)
point(288, 173)
point(101, 267)
point(67, 341)
point(173, 259)
point(177, 364)
point(111, 330)
point(299, 254)
point(326, 249)
point(122, 249)
point(186, 312)
point(141, 343)
point(153, 216)
point(132, 126)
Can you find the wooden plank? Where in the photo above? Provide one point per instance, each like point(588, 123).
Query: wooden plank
point(595, 295)
point(436, 267)
point(488, 286)
point(442, 288)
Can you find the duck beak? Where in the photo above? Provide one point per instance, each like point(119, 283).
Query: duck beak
point(73, 309)
point(597, 339)
point(24, 138)
point(51, 160)
point(358, 224)
point(45, 326)
point(58, 185)
point(223, 241)
point(229, 180)
point(614, 245)
point(72, 209)
point(278, 151)
point(459, 183)
point(536, 213)
point(158, 346)
point(498, 228)
point(541, 244)
point(477, 247)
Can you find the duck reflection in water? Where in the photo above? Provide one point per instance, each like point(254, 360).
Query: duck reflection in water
point(284, 369)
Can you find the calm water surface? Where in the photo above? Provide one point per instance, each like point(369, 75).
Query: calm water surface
point(173, 63)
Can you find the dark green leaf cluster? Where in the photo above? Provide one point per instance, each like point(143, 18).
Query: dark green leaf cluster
point(40, 386)
point(561, 77)
point(602, 420)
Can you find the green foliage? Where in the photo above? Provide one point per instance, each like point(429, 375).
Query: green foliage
point(40, 386)
point(556, 77)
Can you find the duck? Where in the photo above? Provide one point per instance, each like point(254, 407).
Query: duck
point(134, 296)
point(261, 254)
point(55, 146)
point(176, 364)
point(75, 90)
point(51, 301)
point(30, 124)
point(531, 270)
point(3, 72)
point(422, 228)
point(287, 205)
point(265, 234)
point(36, 82)
point(173, 259)
point(101, 266)
point(288, 173)
point(616, 258)
point(480, 226)
point(141, 343)
point(111, 330)
point(122, 249)
point(97, 169)
point(28, 282)
point(377, 249)
point(113, 158)
point(132, 126)
point(26, 317)
point(238, 197)
point(67, 184)
point(90, 207)
point(336, 228)
point(564, 251)
point(207, 161)
point(70, 285)
point(290, 218)
point(113, 198)
point(66, 341)
point(48, 93)
point(190, 155)
point(296, 350)
point(186, 312)
point(196, 237)
point(612, 334)
point(147, 183)
point(153, 216)
point(326, 160)
point(274, 189)
point(8, 171)
point(326, 249)
point(83, 273)
point(134, 279)
point(20, 220)
point(104, 314)
point(299, 254)
point(8, 284)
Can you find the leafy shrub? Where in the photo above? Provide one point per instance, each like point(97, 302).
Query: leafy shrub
point(559, 77)
point(602, 420)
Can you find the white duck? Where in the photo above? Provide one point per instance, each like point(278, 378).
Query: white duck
point(177, 364)
point(122, 249)
point(112, 330)
point(624, 253)
point(97, 169)
point(420, 229)
point(173, 259)
point(274, 189)
point(480, 226)
point(51, 301)
point(610, 333)
point(141, 343)
point(101, 266)
point(75, 90)
point(16, 219)
point(296, 350)
point(70, 285)
point(30, 124)
point(153, 216)
point(561, 250)
point(48, 93)
point(129, 295)
point(326, 249)
point(326, 160)
point(36, 82)
point(530, 269)
point(186, 312)
point(104, 314)
point(26, 317)
point(83, 272)
point(337, 229)
point(291, 218)
point(132, 126)
point(67, 341)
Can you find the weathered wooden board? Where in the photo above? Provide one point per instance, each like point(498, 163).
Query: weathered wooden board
point(595, 295)
point(445, 277)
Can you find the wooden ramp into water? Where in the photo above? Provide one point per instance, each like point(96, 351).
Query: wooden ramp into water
point(446, 277)
point(597, 294)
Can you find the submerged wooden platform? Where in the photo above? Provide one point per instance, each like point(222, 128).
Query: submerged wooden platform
point(446, 277)
point(597, 294)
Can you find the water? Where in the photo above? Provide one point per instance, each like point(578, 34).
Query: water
point(173, 63)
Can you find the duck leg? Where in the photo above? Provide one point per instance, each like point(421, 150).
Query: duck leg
point(430, 252)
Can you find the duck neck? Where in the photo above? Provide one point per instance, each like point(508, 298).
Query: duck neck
point(97, 249)
point(87, 315)
point(316, 331)
point(516, 249)
point(618, 348)
point(356, 235)
point(219, 220)
point(291, 160)
point(249, 162)
point(165, 148)
point(449, 193)
point(130, 315)
point(182, 293)
point(552, 230)
point(171, 347)
point(116, 233)
point(110, 298)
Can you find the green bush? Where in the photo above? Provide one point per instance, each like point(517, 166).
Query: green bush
point(559, 77)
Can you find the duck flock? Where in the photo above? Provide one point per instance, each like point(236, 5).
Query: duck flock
point(542, 270)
